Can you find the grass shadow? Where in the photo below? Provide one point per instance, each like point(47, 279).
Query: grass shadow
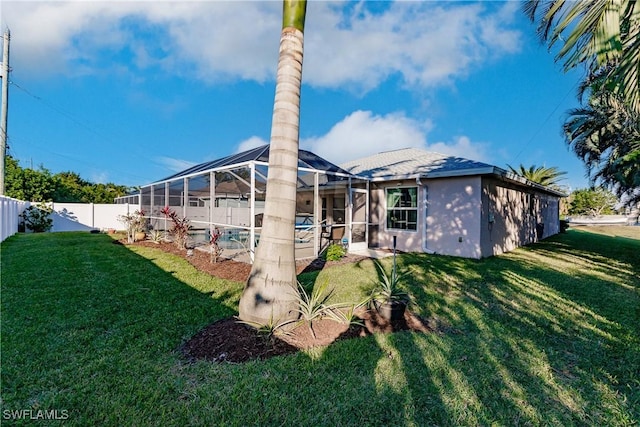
point(553, 353)
point(518, 349)
point(80, 313)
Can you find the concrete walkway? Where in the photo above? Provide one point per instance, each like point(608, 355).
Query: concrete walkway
point(373, 253)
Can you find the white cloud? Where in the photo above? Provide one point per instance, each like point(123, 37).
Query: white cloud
point(205, 39)
point(248, 144)
point(99, 177)
point(362, 134)
point(175, 165)
point(428, 43)
point(462, 146)
point(347, 44)
point(62, 37)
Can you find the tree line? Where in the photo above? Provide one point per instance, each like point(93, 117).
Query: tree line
point(40, 185)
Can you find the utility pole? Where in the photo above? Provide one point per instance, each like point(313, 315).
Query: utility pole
point(4, 74)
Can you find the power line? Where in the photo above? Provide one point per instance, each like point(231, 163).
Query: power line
point(542, 125)
point(69, 116)
point(77, 160)
point(80, 123)
point(74, 120)
point(54, 108)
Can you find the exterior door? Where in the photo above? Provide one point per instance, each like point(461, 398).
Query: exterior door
point(358, 239)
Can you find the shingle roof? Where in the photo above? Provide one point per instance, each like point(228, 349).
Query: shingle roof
point(413, 162)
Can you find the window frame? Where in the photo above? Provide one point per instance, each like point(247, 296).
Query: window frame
point(405, 209)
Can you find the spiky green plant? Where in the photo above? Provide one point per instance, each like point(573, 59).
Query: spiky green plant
point(158, 236)
point(387, 287)
point(269, 329)
point(314, 305)
point(347, 313)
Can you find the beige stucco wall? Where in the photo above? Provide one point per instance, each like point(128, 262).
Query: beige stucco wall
point(471, 217)
point(449, 209)
point(453, 216)
point(511, 215)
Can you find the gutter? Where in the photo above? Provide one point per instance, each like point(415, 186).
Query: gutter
point(490, 170)
point(510, 176)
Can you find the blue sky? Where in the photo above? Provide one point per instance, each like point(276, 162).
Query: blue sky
point(130, 92)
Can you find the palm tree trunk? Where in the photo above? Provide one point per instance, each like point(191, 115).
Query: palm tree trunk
point(270, 294)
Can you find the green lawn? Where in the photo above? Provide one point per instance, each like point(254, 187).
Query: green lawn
point(545, 335)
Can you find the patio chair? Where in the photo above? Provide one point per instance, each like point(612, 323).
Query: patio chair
point(337, 233)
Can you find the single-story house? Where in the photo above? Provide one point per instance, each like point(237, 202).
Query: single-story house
point(430, 202)
point(454, 206)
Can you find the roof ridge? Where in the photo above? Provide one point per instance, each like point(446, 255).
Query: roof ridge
point(411, 161)
point(399, 149)
point(422, 150)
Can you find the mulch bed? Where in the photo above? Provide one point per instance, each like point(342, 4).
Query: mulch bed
point(229, 340)
point(233, 270)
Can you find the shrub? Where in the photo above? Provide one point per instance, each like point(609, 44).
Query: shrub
point(134, 222)
point(592, 202)
point(179, 229)
point(216, 250)
point(334, 252)
point(37, 218)
point(268, 330)
point(157, 236)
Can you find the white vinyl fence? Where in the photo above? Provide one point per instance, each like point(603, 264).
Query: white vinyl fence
point(66, 216)
point(10, 210)
point(88, 216)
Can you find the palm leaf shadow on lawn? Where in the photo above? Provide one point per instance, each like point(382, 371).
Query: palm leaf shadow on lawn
point(517, 350)
point(228, 340)
point(589, 276)
point(522, 312)
point(503, 334)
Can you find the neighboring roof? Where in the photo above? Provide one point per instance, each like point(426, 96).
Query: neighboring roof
point(306, 159)
point(416, 163)
point(413, 162)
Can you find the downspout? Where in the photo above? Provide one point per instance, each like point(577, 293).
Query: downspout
point(425, 206)
point(252, 212)
point(348, 226)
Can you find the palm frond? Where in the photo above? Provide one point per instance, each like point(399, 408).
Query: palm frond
point(594, 33)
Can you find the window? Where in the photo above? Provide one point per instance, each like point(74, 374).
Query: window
point(402, 208)
point(337, 211)
point(197, 202)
